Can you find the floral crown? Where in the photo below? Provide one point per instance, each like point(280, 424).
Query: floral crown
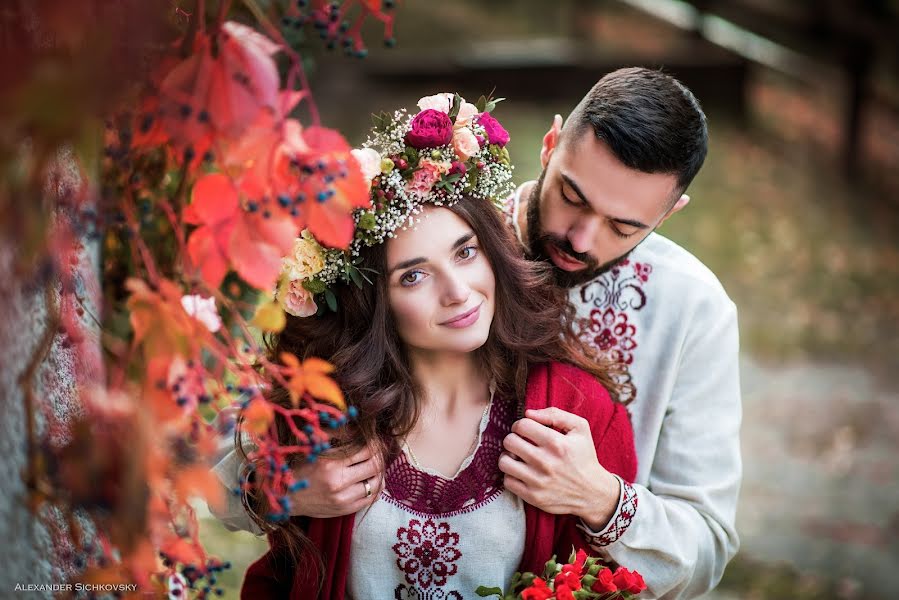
point(450, 149)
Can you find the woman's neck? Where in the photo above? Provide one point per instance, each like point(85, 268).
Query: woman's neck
point(449, 381)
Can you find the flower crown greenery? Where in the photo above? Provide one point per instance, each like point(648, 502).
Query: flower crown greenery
point(450, 149)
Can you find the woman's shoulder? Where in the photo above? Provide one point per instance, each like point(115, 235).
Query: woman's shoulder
point(569, 388)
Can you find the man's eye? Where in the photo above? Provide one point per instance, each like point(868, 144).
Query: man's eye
point(621, 234)
point(571, 202)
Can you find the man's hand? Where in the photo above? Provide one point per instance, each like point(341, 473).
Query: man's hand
point(337, 485)
point(550, 462)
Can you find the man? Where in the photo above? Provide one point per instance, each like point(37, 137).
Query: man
point(615, 172)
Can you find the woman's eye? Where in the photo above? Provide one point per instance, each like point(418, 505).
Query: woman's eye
point(411, 278)
point(468, 252)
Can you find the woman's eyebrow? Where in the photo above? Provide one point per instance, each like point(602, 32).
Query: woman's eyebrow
point(421, 259)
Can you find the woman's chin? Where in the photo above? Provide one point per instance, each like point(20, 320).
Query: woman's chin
point(467, 341)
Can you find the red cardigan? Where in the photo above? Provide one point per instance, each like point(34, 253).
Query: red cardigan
point(274, 575)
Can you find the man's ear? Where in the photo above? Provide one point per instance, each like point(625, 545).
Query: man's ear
point(550, 140)
point(681, 202)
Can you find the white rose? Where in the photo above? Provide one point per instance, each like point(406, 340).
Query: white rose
point(203, 310)
point(442, 102)
point(369, 161)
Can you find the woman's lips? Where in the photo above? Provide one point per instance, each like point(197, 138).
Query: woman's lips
point(465, 319)
point(562, 259)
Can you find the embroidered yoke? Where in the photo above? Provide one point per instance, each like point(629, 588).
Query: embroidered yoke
point(429, 537)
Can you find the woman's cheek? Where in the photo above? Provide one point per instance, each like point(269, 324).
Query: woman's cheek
point(408, 313)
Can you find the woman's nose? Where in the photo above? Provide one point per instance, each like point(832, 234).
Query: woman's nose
point(455, 290)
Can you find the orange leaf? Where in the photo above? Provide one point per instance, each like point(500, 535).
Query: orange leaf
point(258, 416)
point(317, 365)
point(311, 376)
point(324, 388)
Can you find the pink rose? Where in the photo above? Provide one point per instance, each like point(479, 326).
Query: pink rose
point(465, 143)
point(496, 133)
point(430, 129)
point(203, 310)
point(297, 300)
point(424, 178)
point(467, 112)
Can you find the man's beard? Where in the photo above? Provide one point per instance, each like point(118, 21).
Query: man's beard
point(538, 241)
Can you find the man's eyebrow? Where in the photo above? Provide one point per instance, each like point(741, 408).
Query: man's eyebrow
point(622, 221)
point(629, 222)
point(421, 259)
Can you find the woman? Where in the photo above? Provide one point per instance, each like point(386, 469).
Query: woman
point(453, 338)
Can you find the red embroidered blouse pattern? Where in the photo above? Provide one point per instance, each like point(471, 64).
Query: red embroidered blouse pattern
point(426, 552)
point(425, 494)
point(612, 295)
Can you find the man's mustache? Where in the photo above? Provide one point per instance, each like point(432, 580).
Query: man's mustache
point(565, 246)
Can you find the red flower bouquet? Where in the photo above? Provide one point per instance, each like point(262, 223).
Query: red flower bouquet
point(581, 577)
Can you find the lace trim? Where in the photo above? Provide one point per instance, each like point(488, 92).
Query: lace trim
point(477, 483)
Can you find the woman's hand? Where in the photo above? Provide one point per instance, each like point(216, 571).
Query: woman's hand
point(550, 462)
point(337, 486)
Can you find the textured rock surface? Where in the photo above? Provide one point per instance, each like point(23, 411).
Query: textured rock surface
point(30, 554)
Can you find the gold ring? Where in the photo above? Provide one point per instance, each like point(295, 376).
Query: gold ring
point(367, 488)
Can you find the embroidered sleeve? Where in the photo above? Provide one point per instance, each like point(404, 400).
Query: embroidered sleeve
point(620, 521)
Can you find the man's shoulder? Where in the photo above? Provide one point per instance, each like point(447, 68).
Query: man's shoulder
point(673, 265)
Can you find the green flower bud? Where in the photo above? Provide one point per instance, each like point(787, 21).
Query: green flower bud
point(367, 221)
point(436, 154)
point(386, 165)
point(314, 286)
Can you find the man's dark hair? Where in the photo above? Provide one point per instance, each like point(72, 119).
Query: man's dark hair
point(649, 120)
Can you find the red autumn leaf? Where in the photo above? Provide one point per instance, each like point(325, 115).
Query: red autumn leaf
point(214, 207)
point(253, 243)
point(328, 209)
point(244, 80)
point(257, 246)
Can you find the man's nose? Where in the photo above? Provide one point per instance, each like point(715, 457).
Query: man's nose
point(583, 234)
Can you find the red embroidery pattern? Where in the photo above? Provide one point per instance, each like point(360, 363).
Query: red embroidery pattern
point(403, 592)
point(620, 522)
point(426, 495)
point(613, 295)
point(612, 333)
point(426, 552)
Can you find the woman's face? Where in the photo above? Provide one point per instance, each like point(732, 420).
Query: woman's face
point(440, 284)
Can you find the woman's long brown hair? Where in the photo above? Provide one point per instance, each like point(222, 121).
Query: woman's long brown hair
point(533, 323)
